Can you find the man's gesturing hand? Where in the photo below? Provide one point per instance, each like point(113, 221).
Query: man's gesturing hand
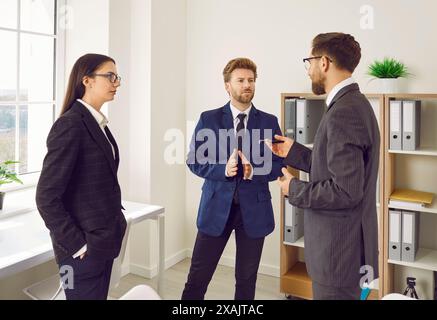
point(231, 166)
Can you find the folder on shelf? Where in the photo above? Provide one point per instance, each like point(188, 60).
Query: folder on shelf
point(293, 222)
point(290, 118)
point(309, 113)
point(408, 195)
point(395, 228)
point(407, 205)
point(411, 125)
point(395, 125)
point(410, 235)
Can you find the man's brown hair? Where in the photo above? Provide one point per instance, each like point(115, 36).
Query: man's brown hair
point(341, 48)
point(238, 63)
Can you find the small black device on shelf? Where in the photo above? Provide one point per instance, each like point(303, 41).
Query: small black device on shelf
point(410, 289)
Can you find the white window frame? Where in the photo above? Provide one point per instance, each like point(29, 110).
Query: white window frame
point(30, 180)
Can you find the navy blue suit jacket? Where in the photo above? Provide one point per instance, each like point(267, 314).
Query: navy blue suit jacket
point(207, 158)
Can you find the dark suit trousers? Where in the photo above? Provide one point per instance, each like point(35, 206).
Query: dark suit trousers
point(207, 253)
point(322, 292)
point(91, 277)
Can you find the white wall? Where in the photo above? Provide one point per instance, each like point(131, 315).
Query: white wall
point(277, 35)
point(88, 23)
point(147, 39)
point(168, 88)
point(120, 113)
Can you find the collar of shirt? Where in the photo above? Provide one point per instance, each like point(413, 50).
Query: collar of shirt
point(337, 88)
point(236, 112)
point(100, 117)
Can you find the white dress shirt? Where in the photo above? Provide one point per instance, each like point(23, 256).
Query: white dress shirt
point(337, 88)
point(235, 114)
point(103, 122)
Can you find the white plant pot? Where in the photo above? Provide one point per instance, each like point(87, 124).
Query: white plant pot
point(388, 85)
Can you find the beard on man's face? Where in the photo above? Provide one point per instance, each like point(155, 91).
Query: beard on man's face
point(245, 97)
point(318, 84)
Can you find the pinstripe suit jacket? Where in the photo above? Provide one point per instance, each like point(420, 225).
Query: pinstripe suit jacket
point(341, 230)
point(78, 193)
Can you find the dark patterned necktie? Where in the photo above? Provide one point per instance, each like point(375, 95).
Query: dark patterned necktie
point(240, 135)
point(240, 130)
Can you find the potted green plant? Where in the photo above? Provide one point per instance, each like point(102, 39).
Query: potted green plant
point(7, 176)
point(388, 71)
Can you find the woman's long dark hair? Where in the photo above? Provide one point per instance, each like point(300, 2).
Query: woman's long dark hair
point(84, 66)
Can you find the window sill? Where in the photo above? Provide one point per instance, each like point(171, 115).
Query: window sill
point(29, 181)
point(18, 202)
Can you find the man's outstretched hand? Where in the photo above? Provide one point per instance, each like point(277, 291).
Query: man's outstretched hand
point(280, 149)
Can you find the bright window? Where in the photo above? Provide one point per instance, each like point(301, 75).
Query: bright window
point(29, 64)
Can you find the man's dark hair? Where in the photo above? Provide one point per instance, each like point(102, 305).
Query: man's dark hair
point(341, 48)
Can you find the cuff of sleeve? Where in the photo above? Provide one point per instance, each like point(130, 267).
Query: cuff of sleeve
point(251, 172)
point(296, 149)
point(292, 189)
point(80, 252)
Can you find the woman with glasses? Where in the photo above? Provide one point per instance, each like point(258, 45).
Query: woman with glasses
point(78, 193)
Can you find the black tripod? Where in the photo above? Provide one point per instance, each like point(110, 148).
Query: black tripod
point(411, 290)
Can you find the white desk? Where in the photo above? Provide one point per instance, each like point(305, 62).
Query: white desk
point(139, 212)
point(25, 241)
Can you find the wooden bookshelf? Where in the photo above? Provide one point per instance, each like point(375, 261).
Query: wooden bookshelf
point(426, 151)
point(296, 282)
point(398, 169)
point(413, 170)
point(299, 243)
point(426, 259)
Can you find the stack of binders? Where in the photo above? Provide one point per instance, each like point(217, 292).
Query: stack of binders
point(404, 224)
point(302, 119)
point(403, 235)
point(404, 125)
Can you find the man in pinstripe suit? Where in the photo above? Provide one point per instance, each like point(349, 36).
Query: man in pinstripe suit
point(341, 233)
